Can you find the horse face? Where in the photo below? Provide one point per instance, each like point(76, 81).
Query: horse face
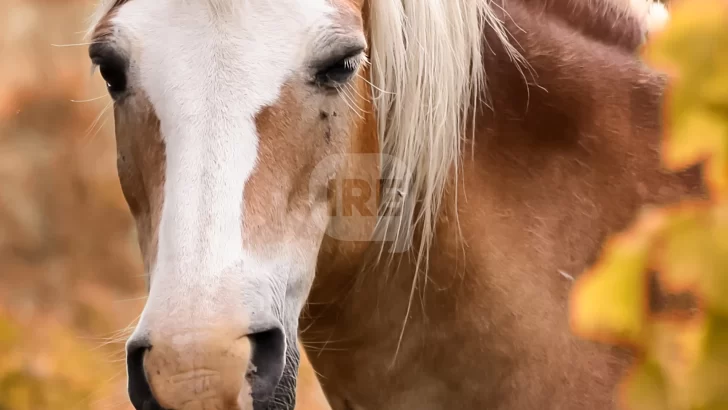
point(223, 111)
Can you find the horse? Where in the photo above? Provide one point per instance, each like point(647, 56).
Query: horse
point(408, 187)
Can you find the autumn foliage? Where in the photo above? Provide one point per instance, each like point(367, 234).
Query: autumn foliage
point(71, 280)
point(683, 352)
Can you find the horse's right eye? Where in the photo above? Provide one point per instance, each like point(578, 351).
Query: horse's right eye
point(112, 67)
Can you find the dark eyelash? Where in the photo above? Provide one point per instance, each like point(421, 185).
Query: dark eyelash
point(339, 71)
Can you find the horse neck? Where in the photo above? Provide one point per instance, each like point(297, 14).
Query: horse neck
point(564, 154)
point(354, 277)
point(613, 22)
point(362, 292)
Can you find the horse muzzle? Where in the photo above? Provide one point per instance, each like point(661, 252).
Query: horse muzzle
point(207, 369)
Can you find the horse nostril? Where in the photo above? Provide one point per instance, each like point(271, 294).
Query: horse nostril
point(268, 360)
point(140, 393)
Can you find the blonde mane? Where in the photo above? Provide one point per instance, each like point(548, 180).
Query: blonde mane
point(427, 81)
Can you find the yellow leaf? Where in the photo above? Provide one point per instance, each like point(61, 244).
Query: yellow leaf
point(694, 49)
point(706, 384)
point(674, 347)
point(645, 388)
point(697, 135)
point(689, 360)
point(714, 289)
point(685, 363)
point(610, 302)
point(685, 251)
point(694, 253)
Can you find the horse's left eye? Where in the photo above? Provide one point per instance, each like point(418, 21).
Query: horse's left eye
point(340, 71)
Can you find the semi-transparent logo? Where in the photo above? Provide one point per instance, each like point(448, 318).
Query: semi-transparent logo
point(365, 205)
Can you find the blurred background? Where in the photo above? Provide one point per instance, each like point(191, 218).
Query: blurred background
point(71, 284)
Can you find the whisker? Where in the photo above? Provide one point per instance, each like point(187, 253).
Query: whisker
point(345, 98)
point(73, 44)
point(98, 130)
point(372, 84)
point(118, 336)
point(130, 299)
point(88, 396)
point(93, 127)
point(119, 340)
point(320, 376)
point(90, 99)
point(323, 349)
point(323, 342)
point(346, 101)
point(356, 91)
point(345, 90)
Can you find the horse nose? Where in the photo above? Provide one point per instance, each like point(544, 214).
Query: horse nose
point(201, 369)
point(139, 391)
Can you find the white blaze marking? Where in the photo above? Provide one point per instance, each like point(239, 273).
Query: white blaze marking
point(208, 67)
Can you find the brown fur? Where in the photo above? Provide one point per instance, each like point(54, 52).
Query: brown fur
point(556, 167)
point(140, 164)
point(609, 22)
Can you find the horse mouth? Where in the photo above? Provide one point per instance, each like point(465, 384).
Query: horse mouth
point(283, 399)
point(202, 389)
